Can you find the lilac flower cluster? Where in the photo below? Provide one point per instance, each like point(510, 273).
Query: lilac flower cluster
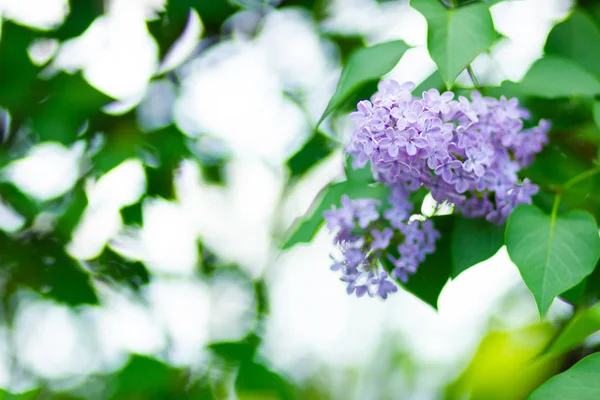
point(365, 235)
point(465, 152)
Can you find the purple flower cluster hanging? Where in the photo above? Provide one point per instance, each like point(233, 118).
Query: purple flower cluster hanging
point(467, 153)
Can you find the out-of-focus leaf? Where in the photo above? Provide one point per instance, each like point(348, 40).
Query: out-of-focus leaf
point(455, 36)
point(580, 382)
point(18, 201)
point(144, 378)
point(474, 241)
point(555, 77)
point(44, 266)
point(112, 266)
point(257, 381)
point(304, 230)
point(170, 145)
point(28, 395)
point(553, 253)
point(133, 214)
point(578, 39)
point(80, 17)
point(17, 73)
point(365, 65)
point(505, 366)
point(236, 352)
point(72, 100)
point(74, 205)
point(580, 326)
point(213, 12)
point(317, 148)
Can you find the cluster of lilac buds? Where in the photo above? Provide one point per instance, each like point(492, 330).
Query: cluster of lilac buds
point(365, 235)
point(466, 153)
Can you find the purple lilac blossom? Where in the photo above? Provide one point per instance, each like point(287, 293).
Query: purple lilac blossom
point(466, 152)
point(365, 236)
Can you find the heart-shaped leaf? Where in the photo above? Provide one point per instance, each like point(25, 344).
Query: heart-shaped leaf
point(580, 382)
point(455, 36)
point(553, 253)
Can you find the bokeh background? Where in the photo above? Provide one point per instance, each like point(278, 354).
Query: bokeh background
point(153, 156)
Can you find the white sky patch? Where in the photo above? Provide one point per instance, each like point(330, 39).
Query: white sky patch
point(156, 110)
point(48, 171)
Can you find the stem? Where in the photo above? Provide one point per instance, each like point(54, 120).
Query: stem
point(578, 178)
point(555, 205)
point(473, 77)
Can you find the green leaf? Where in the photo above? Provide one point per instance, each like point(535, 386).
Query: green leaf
point(257, 381)
point(317, 148)
point(456, 36)
point(578, 39)
point(597, 113)
point(555, 77)
point(583, 323)
point(553, 253)
point(18, 201)
point(474, 241)
point(580, 382)
point(433, 273)
point(304, 230)
point(365, 65)
point(433, 81)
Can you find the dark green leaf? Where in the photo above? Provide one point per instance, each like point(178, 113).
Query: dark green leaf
point(555, 77)
point(578, 39)
point(580, 382)
point(474, 241)
point(256, 381)
point(317, 148)
point(18, 201)
point(455, 36)
point(71, 101)
point(433, 273)
point(581, 325)
point(365, 65)
point(143, 378)
point(553, 253)
point(112, 266)
point(304, 230)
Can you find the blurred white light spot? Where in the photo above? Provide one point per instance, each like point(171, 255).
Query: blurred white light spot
point(183, 309)
point(232, 93)
point(125, 326)
point(48, 171)
point(42, 50)
point(97, 226)
point(10, 220)
point(184, 45)
point(50, 341)
point(41, 14)
point(232, 308)
point(119, 187)
point(116, 53)
point(167, 243)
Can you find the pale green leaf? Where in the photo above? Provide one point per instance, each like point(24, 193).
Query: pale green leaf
point(455, 36)
point(556, 77)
